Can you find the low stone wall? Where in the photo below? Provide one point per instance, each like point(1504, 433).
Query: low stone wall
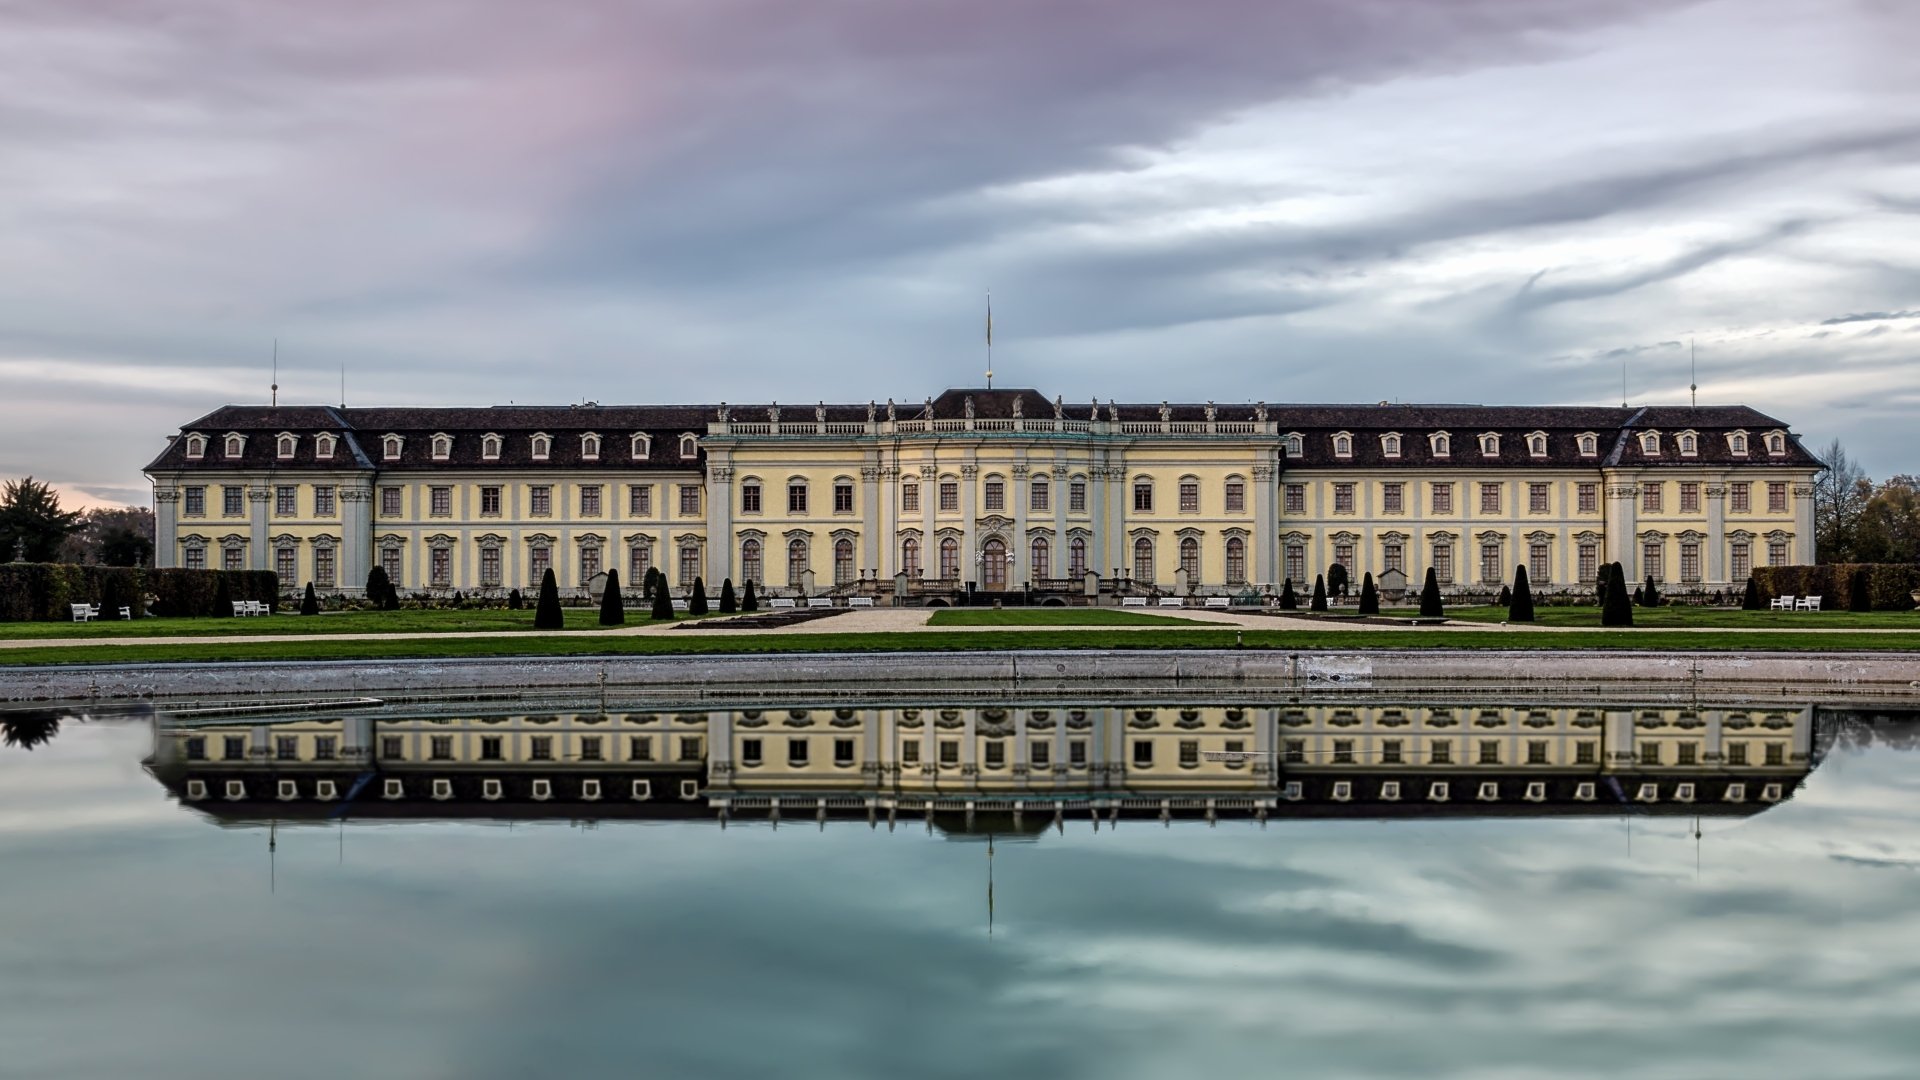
point(1811, 674)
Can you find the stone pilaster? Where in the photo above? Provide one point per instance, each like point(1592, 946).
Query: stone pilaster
point(1263, 563)
point(356, 537)
point(1623, 509)
point(166, 527)
point(870, 498)
point(1061, 489)
point(970, 537)
point(1716, 493)
point(260, 500)
point(1022, 571)
point(1803, 539)
point(719, 526)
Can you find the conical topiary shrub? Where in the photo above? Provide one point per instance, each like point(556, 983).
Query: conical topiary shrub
point(1650, 595)
point(309, 603)
point(1369, 596)
point(1520, 607)
point(748, 601)
point(613, 607)
point(662, 599)
point(697, 603)
point(514, 603)
point(1751, 600)
point(1618, 610)
point(547, 614)
point(728, 603)
point(377, 586)
point(648, 582)
point(1430, 605)
point(1319, 601)
point(1288, 601)
point(1505, 597)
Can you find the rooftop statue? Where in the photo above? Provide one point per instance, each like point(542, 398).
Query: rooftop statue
point(1059, 406)
point(1260, 412)
point(1212, 413)
point(890, 416)
point(773, 413)
point(872, 410)
point(724, 412)
point(820, 413)
point(969, 404)
point(1016, 407)
point(1166, 413)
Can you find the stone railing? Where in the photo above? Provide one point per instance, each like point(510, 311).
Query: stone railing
point(1019, 426)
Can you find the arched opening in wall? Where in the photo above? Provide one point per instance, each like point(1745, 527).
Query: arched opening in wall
point(842, 561)
point(993, 565)
point(1143, 561)
point(936, 602)
point(1053, 601)
point(796, 563)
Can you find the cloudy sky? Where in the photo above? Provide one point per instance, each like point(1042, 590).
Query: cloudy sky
point(692, 200)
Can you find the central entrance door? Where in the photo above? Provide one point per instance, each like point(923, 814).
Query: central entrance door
point(993, 566)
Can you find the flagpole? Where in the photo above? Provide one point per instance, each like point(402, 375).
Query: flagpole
point(989, 339)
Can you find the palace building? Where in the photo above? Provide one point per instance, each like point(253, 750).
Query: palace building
point(995, 490)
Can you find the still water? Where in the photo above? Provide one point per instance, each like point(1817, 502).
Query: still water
point(1115, 888)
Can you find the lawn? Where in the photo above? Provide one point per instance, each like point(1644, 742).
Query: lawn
point(1087, 616)
point(405, 621)
point(320, 648)
point(1719, 618)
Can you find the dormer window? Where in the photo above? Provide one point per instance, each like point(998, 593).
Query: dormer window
point(1537, 444)
point(1650, 443)
point(1441, 444)
point(1295, 444)
point(442, 447)
point(1776, 442)
point(689, 447)
point(1737, 443)
point(390, 447)
point(1343, 445)
point(196, 447)
point(285, 445)
point(1390, 445)
point(590, 447)
point(1689, 444)
point(490, 447)
point(542, 445)
point(642, 446)
point(1489, 445)
point(1589, 444)
point(236, 445)
point(323, 444)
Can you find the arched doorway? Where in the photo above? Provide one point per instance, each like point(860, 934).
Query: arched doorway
point(993, 565)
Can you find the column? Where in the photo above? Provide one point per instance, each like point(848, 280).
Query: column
point(1021, 571)
point(1059, 492)
point(929, 502)
point(1265, 567)
point(1618, 741)
point(719, 747)
point(1802, 748)
point(1714, 752)
point(1117, 547)
point(969, 540)
point(258, 557)
point(1716, 532)
point(1622, 514)
point(719, 526)
point(1803, 546)
point(1097, 518)
point(356, 536)
point(870, 514)
point(166, 527)
point(889, 541)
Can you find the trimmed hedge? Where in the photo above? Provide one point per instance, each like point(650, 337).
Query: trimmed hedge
point(43, 592)
point(1889, 585)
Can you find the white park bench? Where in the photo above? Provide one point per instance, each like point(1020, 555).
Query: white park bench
point(859, 601)
point(780, 602)
point(1807, 603)
point(1172, 601)
point(242, 608)
point(819, 601)
point(1133, 601)
point(84, 612)
point(1782, 603)
point(1219, 601)
point(681, 605)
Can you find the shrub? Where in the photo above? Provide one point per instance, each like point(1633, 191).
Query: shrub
point(1751, 600)
point(1520, 604)
point(697, 603)
point(1650, 593)
point(548, 616)
point(1288, 601)
point(749, 602)
point(1505, 596)
point(728, 605)
point(514, 603)
point(309, 603)
point(648, 582)
point(662, 599)
point(1859, 591)
point(222, 599)
point(1617, 611)
point(378, 585)
point(613, 609)
point(1369, 596)
point(1337, 580)
point(1889, 585)
point(1430, 606)
point(1319, 601)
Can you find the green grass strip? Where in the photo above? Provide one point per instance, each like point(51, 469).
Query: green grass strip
point(1087, 616)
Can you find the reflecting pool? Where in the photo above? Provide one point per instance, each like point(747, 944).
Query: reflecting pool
point(1138, 885)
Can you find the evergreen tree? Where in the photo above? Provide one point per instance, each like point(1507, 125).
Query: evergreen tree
point(1650, 595)
point(662, 599)
point(1751, 601)
point(32, 524)
point(1505, 597)
point(309, 604)
point(1337, 580)
point(377, 586)
point(222, 597)
point(1600, 584)
point(648, 582)
point(1618, 610)
point(392, 602)
point(1319, 601)
point(697, 603)
point(728, 604)
point(514, 603)
point(1520, 607)
point(1860, 592)
point(1430, 606)
point(1369, 596)
point(748, 601)
point(1288, 601)
point(613, 608)
point(547, 614)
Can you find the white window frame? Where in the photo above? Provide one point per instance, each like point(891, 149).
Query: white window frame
point(590, 447)
point(1537, 444)
point(286, 445)
point(540, 446)
point(442, 447)
point(689, 446)
point(1589, 444)
point(1489, 443)
point(233, 445)
point(1440, 443)
point(490, 447)
point(196, 446)
point(392, 446)
point(1390, 444)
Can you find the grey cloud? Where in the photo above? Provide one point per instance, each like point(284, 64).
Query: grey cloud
point(1871, 316)
point(1533, 295)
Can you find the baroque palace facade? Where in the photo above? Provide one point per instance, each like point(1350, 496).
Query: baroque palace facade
point(998, 489)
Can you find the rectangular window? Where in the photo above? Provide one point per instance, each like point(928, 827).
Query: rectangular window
point(689, 500)
point(1737, 753)
point(796, 497)
point(1343, 751)
point(640, 748)
point(233, 558)
point(1443, 562)
point(197, 748)
point(1742, 562)
point(1776, 498)
point(490, 566)
point(539, 560)
point(843, 498)
point(750, 753)
point(1589, 561)
point(490, 502)
point(1189, 496)
point(442, 748)
point(325, 747)
point(1038, 496)
point(1538, 570)
point(1393, 556)
point(283, 500)
point(1589, 496)
point(492, 748)
point(949, 753)
point(1586, 752)
point(1236, 497)
point(1689, 754)
point(1077, 753)
point(283, 564)
point(392, 747)
point(949, 496)
point(441, 501)
point(1740, 497)
point(1776, 754)
point(690, 748)
point(910, 752)
point(235, 748)
point(1296, 498)
point(1490, 569)
point(1142, 753)
point(1776, 553)
point(1489, 751)
point(590, 500)
point(590, 748)
point(1343, 498)
point(196, 502)
point(640, 499)
point(1490, 498)
point(323, 502)
point(996, 754)
point(540, 500)
point(1536, 752)
point(1296, 563)
point(1040, 754)
point(1536, 498)
point(540, 747)
point(1143, 497)
point(1189, 753)
point(196, 558)
point(1294, 752)
point(589, 563)
point(440, 567)
point(1689, 498)
point(1440, 753)
point(286, 748)
point(1077, 497)
point(323, 568)
point(233, 501)
point(1650, 560)
point(910, 498)
point(1651, 497)
point(390, 502)
point(1443, 498)
point(995, 495)
point(1390, 752)
point(1393, 498)
point(1689, 560)
point(1649, 753)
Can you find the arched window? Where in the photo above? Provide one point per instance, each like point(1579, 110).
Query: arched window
point(1537, 445)
point(689, 446)
point(796, 562)
point(442, 447)
point(289, 444)
point(236, 446)
point(1442, 444)
point(1390, 445)
point(1041, 569)
point(1776, 444)
point(390, 447)
point(842, 561)
point(1688, 446)
point(642, 446)
point(542, 447)
point(949, 559)
point(1077, 556)
point(323, 446)
point(639, 560)
point(1295, 445)
point(1490, 445)
point(590, 447)
point(1589, 446)
point(1190, 558)
point(1143, 560)
point(1737, 443)
point(910, 557)
point(1143, 496)
point(1236, 561)
point(196, 446)
point(750, 560)
point(1343, 445)
point(490, 447)
point(1650, 443)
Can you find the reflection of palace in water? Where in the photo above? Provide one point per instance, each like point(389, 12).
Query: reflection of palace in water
point(1039, 760)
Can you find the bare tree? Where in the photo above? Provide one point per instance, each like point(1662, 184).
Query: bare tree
point(1839, 498)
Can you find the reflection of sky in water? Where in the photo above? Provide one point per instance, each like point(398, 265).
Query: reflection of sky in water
point(144, 941)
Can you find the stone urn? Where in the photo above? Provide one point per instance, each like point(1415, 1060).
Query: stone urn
point(1916, 597)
